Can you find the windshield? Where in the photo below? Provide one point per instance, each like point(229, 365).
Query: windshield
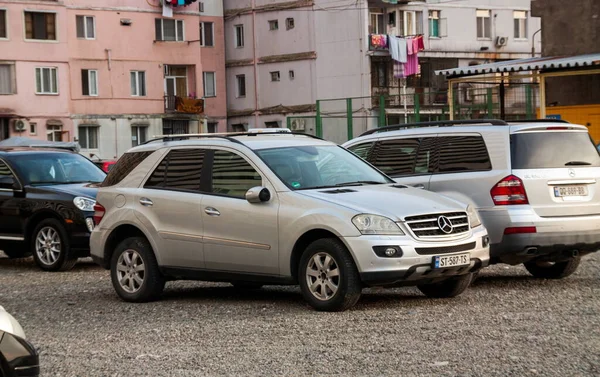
point(57, 168)
point(309, 167)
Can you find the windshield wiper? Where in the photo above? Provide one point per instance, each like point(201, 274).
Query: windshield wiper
point(575, 163)
point(359, 183)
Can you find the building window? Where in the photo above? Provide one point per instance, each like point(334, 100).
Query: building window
point(484, 24)
point(138, 135)
point(520, 24)
point(292, 75)
point(212, 127)
point(272, 124)
point(54, 132)
point(241, 85)
point(88, 137)
point(46, 80)
point(239, 36)
point(207, 34)
point(89, 82)
point(210, 89)
point(175, 127)
point(240, 127)
point(392, 19)
point(411, 22)
point(376, 25)
point(138, 83)
point(3, 22)
point(273, 25)
point(275, 76)
point(434, 23)
point(169, 30)
point(32, 128)
point(380, 78)
point(289, 23)
point(86, 27)
point(7, 79)
point(40, 26)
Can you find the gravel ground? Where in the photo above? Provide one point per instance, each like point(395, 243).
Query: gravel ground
point(506, 324)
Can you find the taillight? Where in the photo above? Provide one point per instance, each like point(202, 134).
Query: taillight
point(105, 167)
point(99, 212)
point(509, 190)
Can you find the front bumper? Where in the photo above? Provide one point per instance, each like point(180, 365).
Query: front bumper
point(79, 234)
point(555, 238)
point(414, 268)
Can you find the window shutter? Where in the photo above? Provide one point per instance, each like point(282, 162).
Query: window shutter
point(80, 27)
point(158, 29)
point(443, 27)
point(180, 30)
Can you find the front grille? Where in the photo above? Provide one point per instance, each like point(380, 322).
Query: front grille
point(445, 250)
point(428, 226)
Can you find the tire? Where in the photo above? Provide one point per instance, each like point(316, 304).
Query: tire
point(348, 288)
point(451, 287)
point(246, 285)
point(54, 255)
point(125, 266)
point(549, 270)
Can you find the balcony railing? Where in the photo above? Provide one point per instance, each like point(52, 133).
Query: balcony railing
point(187, 105)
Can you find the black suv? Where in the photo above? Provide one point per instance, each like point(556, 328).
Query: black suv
point(47, 200)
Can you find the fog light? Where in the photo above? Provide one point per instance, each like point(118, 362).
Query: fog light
point(390, 251)
point(485, 241)
point(90, 223)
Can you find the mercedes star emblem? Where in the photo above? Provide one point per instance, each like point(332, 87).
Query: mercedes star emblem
point(571, 173)
point(445, 224)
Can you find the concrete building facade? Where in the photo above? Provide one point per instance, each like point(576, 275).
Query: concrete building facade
point(110, 75)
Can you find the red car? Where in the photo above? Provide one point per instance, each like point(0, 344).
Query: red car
point(105, 165)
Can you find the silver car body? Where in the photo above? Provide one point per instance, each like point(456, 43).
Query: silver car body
point(191, 241)
point(563, 226)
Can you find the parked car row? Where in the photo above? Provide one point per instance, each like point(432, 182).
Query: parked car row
point(400, 205)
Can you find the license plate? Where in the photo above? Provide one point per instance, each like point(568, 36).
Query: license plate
point(446, 261)
point(560, 191)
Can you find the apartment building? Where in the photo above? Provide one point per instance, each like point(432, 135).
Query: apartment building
point(110, 75)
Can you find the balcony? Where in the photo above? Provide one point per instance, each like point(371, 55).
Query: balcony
point(183, 105)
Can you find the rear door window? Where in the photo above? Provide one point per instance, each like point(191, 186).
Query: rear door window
point(554, 149)
point(123, 167)
point(180, 170)
point(462, 154)
point(396, 157)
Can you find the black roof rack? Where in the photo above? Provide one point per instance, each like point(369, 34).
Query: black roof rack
point(225, 136)
point(439, 123)
point(550, 120)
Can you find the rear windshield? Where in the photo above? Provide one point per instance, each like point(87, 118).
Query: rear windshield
point(540, 150)
point(124, 166)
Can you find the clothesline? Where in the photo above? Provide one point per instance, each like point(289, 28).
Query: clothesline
point(403, 50)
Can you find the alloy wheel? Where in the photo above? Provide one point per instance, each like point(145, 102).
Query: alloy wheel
point(48, 245)
point(323, 276)
point(131, 271)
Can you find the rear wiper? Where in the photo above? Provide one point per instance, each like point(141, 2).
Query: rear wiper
point(575, 163)
point(359, 183)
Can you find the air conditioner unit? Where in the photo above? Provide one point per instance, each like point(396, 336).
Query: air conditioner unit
point(20, 125)
point(298, 125)
point(501, 41)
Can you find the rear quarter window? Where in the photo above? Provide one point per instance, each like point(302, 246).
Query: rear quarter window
point(123, 167)
point(463, 154)
point(553, 149)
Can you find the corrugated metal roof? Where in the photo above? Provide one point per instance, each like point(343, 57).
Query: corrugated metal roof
point(522, 65)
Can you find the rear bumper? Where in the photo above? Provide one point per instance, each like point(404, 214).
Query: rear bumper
point(554, 237)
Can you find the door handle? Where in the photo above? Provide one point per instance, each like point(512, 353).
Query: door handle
point(419, 186)
point(210, 211)
point(146, 202)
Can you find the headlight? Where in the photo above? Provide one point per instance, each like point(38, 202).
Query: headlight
point(373, 224)
point(84, 204)
point(474, 219)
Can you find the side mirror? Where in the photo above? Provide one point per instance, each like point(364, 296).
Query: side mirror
point(258, 194)
point(7, 182)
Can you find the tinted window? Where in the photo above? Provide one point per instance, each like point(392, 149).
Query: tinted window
point(362, 150)
point(539, 150)
point(57, 168)
point(396, 157)
point(179, 170)
point(232, 175)
point(123, 167)
point(426, 156)
point(462, 153)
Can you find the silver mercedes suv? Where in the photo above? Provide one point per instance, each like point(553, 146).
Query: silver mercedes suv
point(272, 207)
point(535, 184)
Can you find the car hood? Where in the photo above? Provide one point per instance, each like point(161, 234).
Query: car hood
point(88, 190)
point(394, 201)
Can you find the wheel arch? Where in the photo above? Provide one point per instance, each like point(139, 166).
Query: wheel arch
point(38, 217)
point(117, 235)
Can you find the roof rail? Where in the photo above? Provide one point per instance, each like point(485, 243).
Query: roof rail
point(549, 120)
point(439, 123)
point(225, 135)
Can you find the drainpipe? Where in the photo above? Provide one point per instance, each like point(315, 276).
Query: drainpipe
point(533, 43)
point(254, 43)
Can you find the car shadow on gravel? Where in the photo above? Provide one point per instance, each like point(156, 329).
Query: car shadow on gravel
point(27, 264)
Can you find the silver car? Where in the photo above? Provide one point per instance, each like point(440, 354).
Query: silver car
point(277, 208)
point(536, 184)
